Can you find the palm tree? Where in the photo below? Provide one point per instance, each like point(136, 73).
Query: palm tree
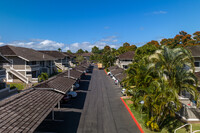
point(158, 80)
point(43, 77)
point(178, 67)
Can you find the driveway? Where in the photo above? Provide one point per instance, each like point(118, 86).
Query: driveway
point(97, 109)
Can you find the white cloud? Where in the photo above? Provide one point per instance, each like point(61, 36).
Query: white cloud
point(109, 39)
point(156, 13)
point(75, 45)
point(42, 44)
point(160, 12)
point(39, 44)
point(1, 43)
point(113, 46)
point(106, 27)
point(65, 49)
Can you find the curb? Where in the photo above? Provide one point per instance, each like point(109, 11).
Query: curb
point(105, 72)
point(138, 125)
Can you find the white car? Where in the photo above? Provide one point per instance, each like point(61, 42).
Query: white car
point(123, 91)
point(108, 73)
point(116, 82)
point(72, 94)
point(113, 78)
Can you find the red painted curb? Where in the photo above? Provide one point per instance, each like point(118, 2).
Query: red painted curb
point(105, 72)
point(138, 125)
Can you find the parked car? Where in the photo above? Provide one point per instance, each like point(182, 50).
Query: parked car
point(108, 73)
point(72, 94)
point(65, 99)
point(116, 82)
point(76, 86)
point(123, 91)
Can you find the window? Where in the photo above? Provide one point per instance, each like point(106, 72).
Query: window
point(31, 63)
point(125, 66)
point(42, 63)
point(28, 73)
point(196, 64)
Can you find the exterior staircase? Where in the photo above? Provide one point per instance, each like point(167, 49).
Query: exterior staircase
point(19, 75)
point(189, 111)
point(60, 66)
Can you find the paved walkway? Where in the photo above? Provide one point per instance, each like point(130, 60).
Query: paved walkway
point(104, 111)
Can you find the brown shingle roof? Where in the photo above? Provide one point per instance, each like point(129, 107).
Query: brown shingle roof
point(26, 110)
point(195, 50)
point(73, 73)
point(121, 76)
point(112, 68)
point(70, 55)
point(80, 68)
point(55, 54)
point(127, 56)
point(26, 53)
point(117, 71)
point(4, 59)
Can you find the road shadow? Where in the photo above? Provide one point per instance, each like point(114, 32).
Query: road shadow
point(71, 119)
point(68, 125)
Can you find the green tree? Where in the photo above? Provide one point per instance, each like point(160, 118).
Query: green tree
point(158, 79)
point(95, 50)
point(80, 51)
point(69, 51)
point(126, 44)
point(178, 67)
point(145, 50)
point(79, 59)
point(59, 49)
point(43, 76)
point(196, 37)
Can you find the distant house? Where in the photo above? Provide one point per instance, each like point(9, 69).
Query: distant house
point(86, 55)
point(72, 61)
point(195, 50)
point(26, 64)
point(62, 59)
point(125, 59)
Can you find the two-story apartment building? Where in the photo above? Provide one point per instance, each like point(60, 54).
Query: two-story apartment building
point(72, 57)
point(125, 59)
point(26, 64)
point(62, 60)
point(195, 50)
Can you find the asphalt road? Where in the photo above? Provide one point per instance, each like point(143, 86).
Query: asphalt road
point(97, 109)
point(104, 111)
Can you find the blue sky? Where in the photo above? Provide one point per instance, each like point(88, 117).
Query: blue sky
point(74, 24)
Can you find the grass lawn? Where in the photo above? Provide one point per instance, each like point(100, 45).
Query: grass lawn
point(19, 86)
point(170, 126)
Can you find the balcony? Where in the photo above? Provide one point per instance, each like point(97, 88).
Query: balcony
point(32, 67)
point(2, 73)
point(197, 69)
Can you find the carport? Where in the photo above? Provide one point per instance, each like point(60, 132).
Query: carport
point(25, 111)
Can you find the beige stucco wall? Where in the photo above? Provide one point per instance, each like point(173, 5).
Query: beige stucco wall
point(18, 63)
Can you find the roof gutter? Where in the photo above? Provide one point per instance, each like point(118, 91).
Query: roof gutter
point(51, 89)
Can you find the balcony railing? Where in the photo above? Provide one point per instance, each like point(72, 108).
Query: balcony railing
point(2, 73)
point(32, 66)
